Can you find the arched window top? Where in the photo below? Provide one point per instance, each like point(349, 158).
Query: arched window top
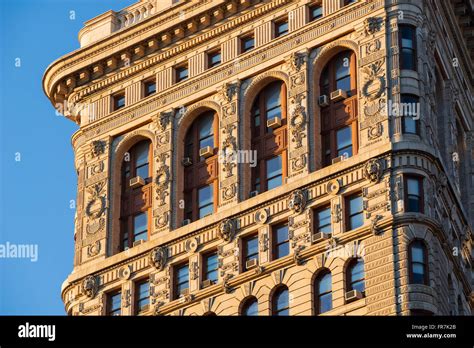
point(418, 257)
point(356, 275)
point(339, 74)
point(250, 307)
point(281, 301)
point(136, 161)
point(323, 292)
point(209, 314)
point(201, 135)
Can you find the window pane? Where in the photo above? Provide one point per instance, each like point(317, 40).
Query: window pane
point(316, 12)
point(413, 186)
point(251, 308)
point(417, 253)
point(272, 95)
point(343, 65)
point(150, 88)
point(344, 84)
point(282, 303)
point(281, 234)
point(356, 216)
point(248, 43)
point(281, 28)
point(205, 197)
point(325, 303)
point(214, 59)
point(324, 221)
point(141, 153)
point(409, 125)
point(182, 278)
point(325, 284)
point(211, 267)
point(140, 227)
point(274, 167)
point(355, 205)
point(418, 273)
point(252, 248)
point(407, 34)
point(344, 142)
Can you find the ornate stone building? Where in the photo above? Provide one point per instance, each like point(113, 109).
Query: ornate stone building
point(272, 157)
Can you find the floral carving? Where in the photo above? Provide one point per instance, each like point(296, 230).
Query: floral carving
point(295, 61)
point(162, 179)
point(372, 25)
point(374, 79)
point(163, 119)
point(159, 257)
point(298, 121)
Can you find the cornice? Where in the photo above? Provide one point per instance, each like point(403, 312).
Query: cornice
point(275, 49)
point(63, 67)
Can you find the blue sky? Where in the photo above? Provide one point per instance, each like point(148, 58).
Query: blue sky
point(37, 175)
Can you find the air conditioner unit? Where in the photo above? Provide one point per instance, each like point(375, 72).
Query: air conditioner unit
point(186, 222)
point(339, 159)
point(206, 152)
point(353, 295)
point(320, 236)
point(251, 263)
point(274, 122)
point(184, 292)
point(138, 242)
point(323, 100)
point(206, 283)
point(137, 182)
point(338, 94)
point(253, 193)
point(187, 161)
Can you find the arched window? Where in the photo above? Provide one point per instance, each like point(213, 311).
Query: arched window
point(250, 307)
point(338, 103)
point(269, 139)
point(209, 314)
point(200, 172)
point(323, 291)
point(136, 195)
point(418, 258)
point(281, 302)
point(355, 275)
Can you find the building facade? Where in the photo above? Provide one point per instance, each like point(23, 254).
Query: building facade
point(251, 157)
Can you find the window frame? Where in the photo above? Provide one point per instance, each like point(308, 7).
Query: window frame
point(115, 99)
point(311, 8)
point(260, 135)
point(278, 292)
point(245, 38)
point(211, 54)
point(205, 270)
point(176, 268)
point(137, 298)
point(275, 245)
point(249, 301)
point(406, 195)
point(177, 69)
point(146, 83)
point(276, 25)
point(414, 49)
point(348, 214)
point(349, 269)
point(317, 295)
point(426, 278)
point(245, 253)
point(109, 296)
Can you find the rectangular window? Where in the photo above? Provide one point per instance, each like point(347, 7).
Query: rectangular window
point(181, 280)
point(250, 249)
point(355, 212)
point(281, 28)
point(315, 12)
point(142, 296)
point(213, 59)
point(181, 73)
point(323, 220)
point(140, 227)
point(211, 266)
point(205, 201)
point(274, 172)
point(150, 88)
point(118, 101)
point(344, 142)
point(114, 303)
point(413, 194)
point(281, 243)
point(409, 111)
point(407, 38)
point(247, 43)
